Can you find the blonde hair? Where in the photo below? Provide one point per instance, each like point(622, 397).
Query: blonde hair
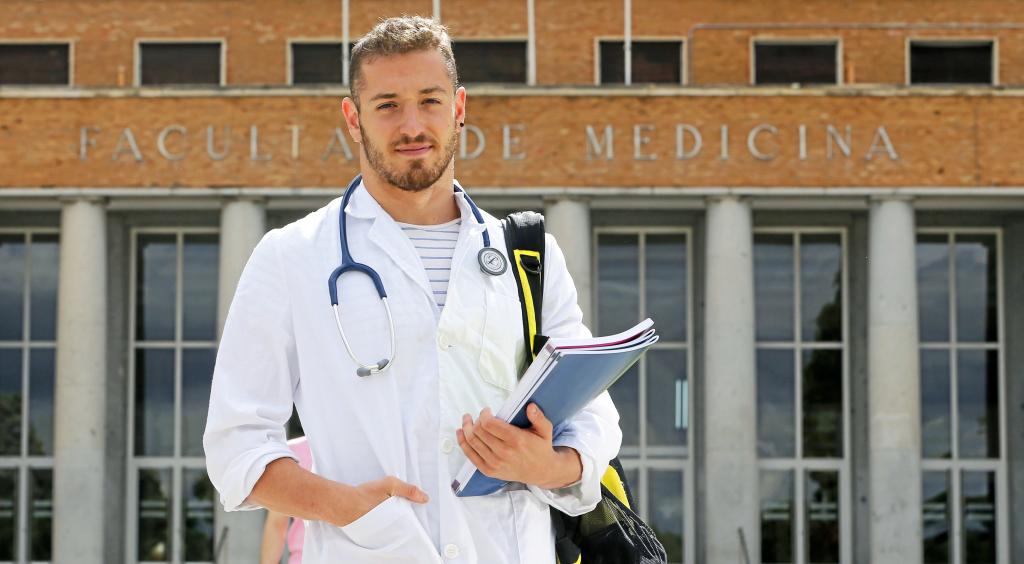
point(396, 36)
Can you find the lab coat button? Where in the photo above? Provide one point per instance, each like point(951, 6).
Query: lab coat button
point(447, 446)
point(442, 341)
point(451, 551)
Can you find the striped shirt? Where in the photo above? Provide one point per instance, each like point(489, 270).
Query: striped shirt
point(435, 244)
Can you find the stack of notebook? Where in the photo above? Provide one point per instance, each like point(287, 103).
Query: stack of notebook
point(565, 376)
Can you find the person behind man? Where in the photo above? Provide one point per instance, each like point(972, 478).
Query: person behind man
point(280, 529)
point(383, 435)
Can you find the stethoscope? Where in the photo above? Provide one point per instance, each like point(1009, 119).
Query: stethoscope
point(491, 262)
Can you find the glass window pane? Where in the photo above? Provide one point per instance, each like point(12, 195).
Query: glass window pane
point(39, 64)
point(626, 396)
point(976, 301)
point(667, 395)
point(936, 408)
point(198, 511)
point(821, 491)
point(666, 511)
point(10, 401)
point(978, 395)
point(40, 522)
point(196, 377)
point(823, 403)
point(779, 63)
point(653, 62)
point(40, 401)
point(8, 514)
point(933, 287)
point(180, 63)
point(821, 287)
point(665, 279)
point(776, 412)
point(774, 286)
point(979, 517)
point(945, 63)
point(199, 288)
point(12, 287)
point(777, 516)
point(490, 61)
point(936, 517)
point(618, 283)
point(43, 309)
point(155, 291)
point(154, 514)
point(154, 402)
point(316, 63)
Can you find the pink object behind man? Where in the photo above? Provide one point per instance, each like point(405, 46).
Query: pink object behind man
point(297, 529)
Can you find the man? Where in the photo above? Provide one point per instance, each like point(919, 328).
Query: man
point(383, 440)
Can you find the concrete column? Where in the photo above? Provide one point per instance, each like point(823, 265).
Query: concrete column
point(242, 224)
point(80, 410)
point(730, 388)
point(569, 221)
point(894, 420)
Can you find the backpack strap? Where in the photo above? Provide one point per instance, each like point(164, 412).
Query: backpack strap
point(524, 238)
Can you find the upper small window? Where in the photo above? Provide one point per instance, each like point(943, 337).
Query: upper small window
point(795, 63)
point(35, 64)
point(652, 61)
point(949, 62)
point(491, 61)
point(316, 63)
point(196, 63)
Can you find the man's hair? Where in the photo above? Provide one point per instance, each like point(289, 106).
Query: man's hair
point(397, 36)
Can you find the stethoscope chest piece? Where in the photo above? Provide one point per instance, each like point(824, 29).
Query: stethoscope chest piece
point(492, 261)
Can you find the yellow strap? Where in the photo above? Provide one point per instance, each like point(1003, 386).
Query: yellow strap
point(531, 316)
point(613, 482)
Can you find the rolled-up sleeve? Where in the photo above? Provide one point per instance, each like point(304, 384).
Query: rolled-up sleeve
point(594, 432)
point(253, 380)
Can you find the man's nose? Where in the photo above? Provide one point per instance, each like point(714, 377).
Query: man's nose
point(412, 124)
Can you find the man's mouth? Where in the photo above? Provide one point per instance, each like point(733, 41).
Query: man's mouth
point(413, 150)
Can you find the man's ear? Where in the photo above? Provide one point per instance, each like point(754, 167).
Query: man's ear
point(460, 105)
point(351, 113)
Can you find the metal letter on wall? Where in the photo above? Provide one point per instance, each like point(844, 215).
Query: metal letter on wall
point(882, 135)
point(639, 140)
point(752, 141)
point(127, 138)
point(481, 142)
point(254, 145)
point(161, 142)
point(337, 145)
point(844, 144)
point(681, 130)
point(508, 142)
point(296, 129)
point(214, 155)
point(84, 142)
point(594, 148)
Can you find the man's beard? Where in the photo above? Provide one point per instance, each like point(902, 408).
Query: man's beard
point(418, 176)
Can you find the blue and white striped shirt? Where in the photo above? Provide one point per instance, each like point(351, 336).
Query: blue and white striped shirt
point(435, 244)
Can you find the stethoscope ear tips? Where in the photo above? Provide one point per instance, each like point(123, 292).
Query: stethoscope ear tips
point(364, 371)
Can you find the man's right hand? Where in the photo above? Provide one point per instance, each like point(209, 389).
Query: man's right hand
point(368, 495)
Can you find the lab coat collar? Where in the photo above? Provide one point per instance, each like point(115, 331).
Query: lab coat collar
point(363, 206)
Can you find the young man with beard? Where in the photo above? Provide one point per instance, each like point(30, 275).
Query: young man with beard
point(383, 436)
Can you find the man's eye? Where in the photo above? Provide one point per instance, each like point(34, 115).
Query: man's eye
point(386, 106)
point(432, 101)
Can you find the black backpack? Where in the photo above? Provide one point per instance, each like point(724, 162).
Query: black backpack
point(612, 533)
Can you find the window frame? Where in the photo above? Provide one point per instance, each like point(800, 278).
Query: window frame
point(836, 40)
point(525, 40)
point(289, 67)
point(23, 462)
point(954, 466)
point(950, 41)
point(176, 463)
point(137, 67)
point(71, 43)
point(641, 457)
point(797, 464)
point(641, 39)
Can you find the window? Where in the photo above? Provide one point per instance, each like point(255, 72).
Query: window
point(35, 64)
point(28, 320)
point(802, 399)
point(962, 428)
point(952, 62)
point(173, 346)
point(804, 62)
point(180, 63)
point(641, 273)
point(657, 61)
point(491, 61)
point(316, 63)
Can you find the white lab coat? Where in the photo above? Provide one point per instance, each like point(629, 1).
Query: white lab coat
point(280, 344)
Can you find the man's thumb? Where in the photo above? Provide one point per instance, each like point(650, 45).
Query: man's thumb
point(408, 491)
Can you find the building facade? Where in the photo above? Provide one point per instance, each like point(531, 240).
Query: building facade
point(820, 204)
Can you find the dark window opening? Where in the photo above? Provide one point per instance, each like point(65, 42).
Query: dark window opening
point(491, 61)
point(946, 63)
point(652, 62)
point(316, 63)
point(180, 63)
point(795, 63)
point(35, 64)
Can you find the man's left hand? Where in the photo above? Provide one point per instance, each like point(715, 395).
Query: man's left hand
point(506, 452)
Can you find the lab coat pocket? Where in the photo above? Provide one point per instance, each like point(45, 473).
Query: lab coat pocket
point(390, 527)
point(501, 350)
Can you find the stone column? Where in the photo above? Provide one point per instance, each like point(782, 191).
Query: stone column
point(80, 410)
point(731, 474)
point(894, 420)
point(569, 221)
point(242, 224)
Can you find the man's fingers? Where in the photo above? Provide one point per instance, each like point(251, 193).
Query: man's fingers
point(541, 425)
point(399, 488)
point(472, 437)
